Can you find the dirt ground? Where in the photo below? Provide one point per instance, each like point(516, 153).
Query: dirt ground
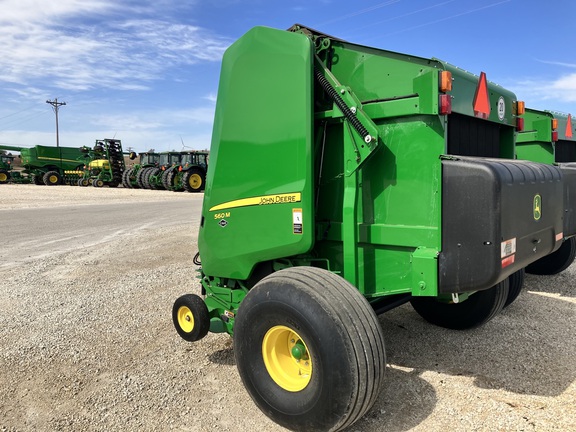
point(88, 344)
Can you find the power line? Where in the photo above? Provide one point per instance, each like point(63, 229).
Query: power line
point(17, 112)
point(17, 121)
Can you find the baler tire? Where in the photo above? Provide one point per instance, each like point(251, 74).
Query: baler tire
point(52, 178)
point(193, 180)
point(557, 261)
point(478, 309)
point(4, 176)
point(190, 317)
point(515, 284)
point(336, 331)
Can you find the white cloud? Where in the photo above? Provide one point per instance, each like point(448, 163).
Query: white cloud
point(54, 44)
point(559, 91)
point(150, 120)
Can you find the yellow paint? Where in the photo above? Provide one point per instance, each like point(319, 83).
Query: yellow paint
point(260, 200)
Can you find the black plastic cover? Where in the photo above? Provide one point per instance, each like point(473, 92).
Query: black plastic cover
point(498, 216)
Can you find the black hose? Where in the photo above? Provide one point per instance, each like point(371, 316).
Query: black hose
point(196, 259)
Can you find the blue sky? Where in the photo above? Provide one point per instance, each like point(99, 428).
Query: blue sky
point(147, 72)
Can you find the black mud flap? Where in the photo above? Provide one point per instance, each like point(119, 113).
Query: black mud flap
point(569, 179)
point(498, 216)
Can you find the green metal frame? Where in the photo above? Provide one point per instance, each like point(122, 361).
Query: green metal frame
point(535, 143)
point(349, 180)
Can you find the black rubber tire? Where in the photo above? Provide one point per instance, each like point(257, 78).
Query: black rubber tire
point(557, 261)
point(37, 180)
point(190, 308)
point(165, 177)
point(4, 176)
point(343, 338)
point(515, 284)
point(173, 183)
point(156, 182)
point(146, 177)
point(97, 183)
point(52, 178)
point(193, 180)
point(478, 309)
point(126, 178)
point(140, 177)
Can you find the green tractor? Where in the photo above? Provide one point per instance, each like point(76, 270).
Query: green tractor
point(133, 177)
point(376, 179)
point(153, 178)
point(6, 163)
point(190, 174)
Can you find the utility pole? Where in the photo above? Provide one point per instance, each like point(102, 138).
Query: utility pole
point(56, 105)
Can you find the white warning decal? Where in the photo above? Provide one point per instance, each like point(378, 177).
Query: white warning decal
point(508, 247)
point(297, 221)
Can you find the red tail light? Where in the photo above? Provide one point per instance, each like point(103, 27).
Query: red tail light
point(555, 136)
point(445, 104)
point(519, 124)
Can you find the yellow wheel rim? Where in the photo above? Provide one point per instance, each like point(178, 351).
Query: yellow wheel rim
point(195, 181)
point(185, 319)
point(287, 358)
point(53, 179)
point(3, 177)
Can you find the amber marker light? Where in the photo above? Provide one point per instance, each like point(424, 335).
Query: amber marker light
point(445, 81)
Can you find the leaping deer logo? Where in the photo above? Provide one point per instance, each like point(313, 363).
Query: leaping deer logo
point(537, 207)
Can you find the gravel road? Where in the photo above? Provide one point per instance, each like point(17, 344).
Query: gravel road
point(88, 345)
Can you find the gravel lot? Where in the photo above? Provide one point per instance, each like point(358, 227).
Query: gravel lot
point(88, 345)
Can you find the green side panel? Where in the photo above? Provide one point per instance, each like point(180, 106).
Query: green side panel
point(464, 86)
point(258, 202)
point(399, 198)
point(534, 143)
point(41, 156)
point(387, 83)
